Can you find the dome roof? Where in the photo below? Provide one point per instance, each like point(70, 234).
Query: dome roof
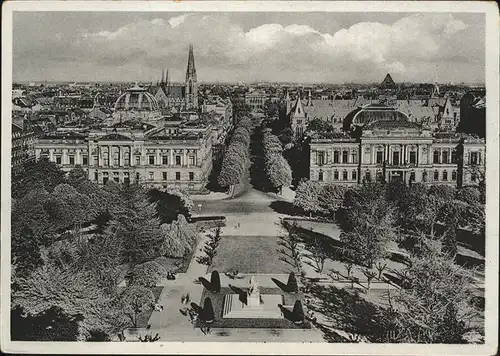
point(374, 112)
point(138, 99)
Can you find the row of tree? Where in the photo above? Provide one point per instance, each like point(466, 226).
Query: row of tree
point(236, 158)
point(276, 166)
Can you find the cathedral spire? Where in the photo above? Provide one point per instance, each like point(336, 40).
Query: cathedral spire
point(309, 99)
point(191, 70)
point(162, 75)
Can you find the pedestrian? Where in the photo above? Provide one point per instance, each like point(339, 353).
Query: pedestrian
point(239, 225)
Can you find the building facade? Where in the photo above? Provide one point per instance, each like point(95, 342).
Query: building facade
point(23, 143)
point(384, 145)
point(156, 157)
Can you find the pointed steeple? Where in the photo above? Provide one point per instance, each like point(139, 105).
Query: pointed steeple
point(309, 99)
point(298, 109)
point(191, 70)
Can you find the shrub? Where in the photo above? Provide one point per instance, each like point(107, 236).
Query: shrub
point(215, 282)
point(208, 311)
point(298, 313)
point(148, 274)
point(292, 283)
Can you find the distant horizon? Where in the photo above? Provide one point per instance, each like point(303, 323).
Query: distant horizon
point(285, 47)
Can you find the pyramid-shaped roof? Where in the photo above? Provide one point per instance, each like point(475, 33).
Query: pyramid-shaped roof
point(388, 82)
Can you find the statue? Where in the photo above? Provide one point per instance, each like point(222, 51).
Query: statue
point(253, 294)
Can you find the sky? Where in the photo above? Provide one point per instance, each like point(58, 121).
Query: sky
point(312, 47)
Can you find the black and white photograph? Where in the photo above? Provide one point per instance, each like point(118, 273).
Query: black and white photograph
point(287, 175)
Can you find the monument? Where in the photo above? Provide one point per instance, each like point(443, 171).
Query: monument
point(252, 304)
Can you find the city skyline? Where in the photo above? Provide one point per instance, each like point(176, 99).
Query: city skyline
point(249, 47)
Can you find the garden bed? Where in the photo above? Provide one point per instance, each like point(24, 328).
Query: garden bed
point(250, 254)
point(219, 322)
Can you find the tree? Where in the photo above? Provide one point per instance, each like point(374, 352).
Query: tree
point(380, 269)
point(26, 255)
point(208, 311)
point(368, 224)
point(148, 274)
point(331, 198)
point(291, 284)
point(135, 300)
point(41, 174)
point(369, 276)
point(180, 238)
point(211, 245)
point(319, 125)
point(77, 176)
point(171, 203)
point(298, 312)
point(215, 281)
point(436, 306)
point(278, 171)
point(271, 144)
point(139, 227)
point(319, 253)
point(307, 196)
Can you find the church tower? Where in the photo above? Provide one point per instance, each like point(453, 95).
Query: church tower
point(191, 82)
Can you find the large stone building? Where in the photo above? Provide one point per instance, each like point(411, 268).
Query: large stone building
point(179, 97)
point(162, 157)
point(380, 143)
point(23, 141)
point(300, 112)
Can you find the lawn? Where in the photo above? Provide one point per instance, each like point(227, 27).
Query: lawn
point(250, 254)
point(219, 322)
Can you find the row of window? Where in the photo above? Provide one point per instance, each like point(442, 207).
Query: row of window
point(444, 157)
point(354, 176)
point(126, 160)
point(126, 178)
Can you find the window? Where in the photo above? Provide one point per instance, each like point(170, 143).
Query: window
point(126, 159)
point(335, 175)
point(344, 156)
point(85, 160)
point(104, 180)
point(445, 156)
point(177, 175)
point(380, 157)
point(106, 160)
point(435, 156)
point(164, 160)
point(413, 157)
point(177, 160)
point(126, 180)
point(436, 175)
point(344, 175)
point(116, 158)
point(473, 177)
point(116, 179)
point(474, 158)
point(335, 156)
point(454, 158)
point(412, 176)
point(321, 158)
point(96, 176)
point(354, 157)
point(58, 159)
point(152, 160)
point(96, 161)
point(453, 175)
point(191, 160)
point(354, 175)
point(368, 176)
point(380, 177)
point(137, 160)
point(424, 176)
point(164, 175)
point(191, 175)
point(395, 158)
point(151, 175)
point(445, 175)
point(72, 160)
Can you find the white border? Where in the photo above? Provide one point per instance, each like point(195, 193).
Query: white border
point(492, 212)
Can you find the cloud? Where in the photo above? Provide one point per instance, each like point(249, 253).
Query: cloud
point(225, 51)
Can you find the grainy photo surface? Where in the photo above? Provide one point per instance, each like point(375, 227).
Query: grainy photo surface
point(227, 176)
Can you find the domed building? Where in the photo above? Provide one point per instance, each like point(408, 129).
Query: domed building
point(136, 104)
point(380, 143)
